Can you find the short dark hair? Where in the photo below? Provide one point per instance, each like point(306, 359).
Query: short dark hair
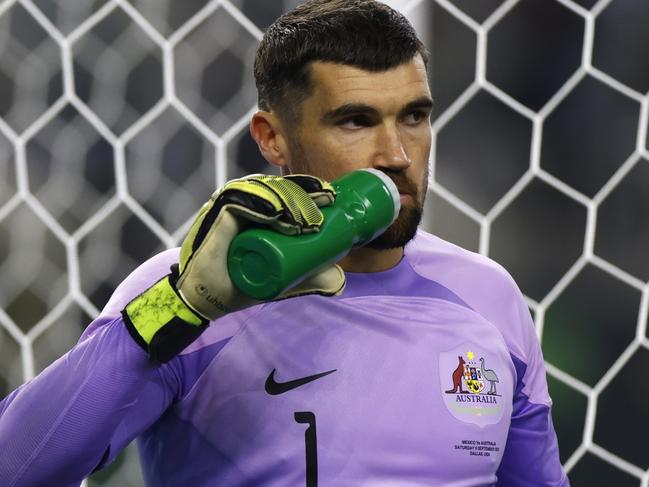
point(366, 34)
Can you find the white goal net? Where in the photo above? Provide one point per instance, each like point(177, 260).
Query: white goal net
point(118, 118)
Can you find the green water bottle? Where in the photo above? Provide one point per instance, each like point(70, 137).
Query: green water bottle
point(262, 263)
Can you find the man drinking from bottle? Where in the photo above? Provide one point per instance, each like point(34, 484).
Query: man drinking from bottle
point(409, 362)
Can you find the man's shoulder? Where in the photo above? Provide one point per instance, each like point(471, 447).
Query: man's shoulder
point(484, 285)
point(440, 260)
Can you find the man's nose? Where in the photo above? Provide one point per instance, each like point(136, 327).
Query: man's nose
point(390, 150)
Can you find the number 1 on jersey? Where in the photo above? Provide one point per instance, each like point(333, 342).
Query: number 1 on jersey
point(311, 444)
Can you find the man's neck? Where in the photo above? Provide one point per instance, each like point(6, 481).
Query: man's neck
point(371, 260)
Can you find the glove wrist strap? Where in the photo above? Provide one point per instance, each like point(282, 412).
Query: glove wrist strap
point(161, 322)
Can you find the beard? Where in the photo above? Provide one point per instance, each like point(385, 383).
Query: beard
point(404, 228)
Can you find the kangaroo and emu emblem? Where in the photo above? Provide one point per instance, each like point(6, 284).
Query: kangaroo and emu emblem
point(473, 377)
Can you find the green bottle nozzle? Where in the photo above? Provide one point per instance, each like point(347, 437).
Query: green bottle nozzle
point(262, 263)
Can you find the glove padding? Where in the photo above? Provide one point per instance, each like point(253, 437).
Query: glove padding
point(176, 310)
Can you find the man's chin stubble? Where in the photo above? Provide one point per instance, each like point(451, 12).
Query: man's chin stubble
point(402, 231)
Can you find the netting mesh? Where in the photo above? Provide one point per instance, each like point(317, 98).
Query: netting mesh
point(119, 118)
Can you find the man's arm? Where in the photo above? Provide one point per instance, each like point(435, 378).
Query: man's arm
point(531, 456)
point(81, 411)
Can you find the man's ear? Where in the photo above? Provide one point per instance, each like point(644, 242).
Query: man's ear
point(267, 130)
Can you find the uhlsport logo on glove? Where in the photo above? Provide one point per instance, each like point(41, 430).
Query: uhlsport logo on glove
point(203, 291)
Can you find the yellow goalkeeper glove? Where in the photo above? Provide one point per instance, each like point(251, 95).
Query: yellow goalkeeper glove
point(172, 313)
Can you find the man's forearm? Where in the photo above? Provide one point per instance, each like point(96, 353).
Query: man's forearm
point(59, 427)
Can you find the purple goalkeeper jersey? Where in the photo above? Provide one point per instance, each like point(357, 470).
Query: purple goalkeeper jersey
point(427, 374)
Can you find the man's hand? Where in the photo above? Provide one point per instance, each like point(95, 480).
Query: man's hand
point(172, 313)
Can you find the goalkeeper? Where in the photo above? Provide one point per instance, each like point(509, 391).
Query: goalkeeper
point(410, 363)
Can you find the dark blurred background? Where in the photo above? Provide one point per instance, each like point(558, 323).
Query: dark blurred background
point(119, 118)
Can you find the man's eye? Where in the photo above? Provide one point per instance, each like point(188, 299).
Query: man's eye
point(354, 122)
point(416, 117)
